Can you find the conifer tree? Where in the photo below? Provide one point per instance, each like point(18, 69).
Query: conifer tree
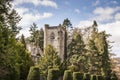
point(50, 59)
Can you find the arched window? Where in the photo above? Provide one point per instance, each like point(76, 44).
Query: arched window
point(60, 33)
point(52, 36)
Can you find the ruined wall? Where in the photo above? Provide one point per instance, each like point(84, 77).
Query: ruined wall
point(55, 36)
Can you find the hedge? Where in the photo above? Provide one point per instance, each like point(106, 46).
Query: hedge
point(77, 76)
point(67, 75)
point(99, 77)
point(53, 74)
point(34, 73)
point(86, 76)
point(93, 77)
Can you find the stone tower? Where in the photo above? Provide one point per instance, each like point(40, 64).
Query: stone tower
point(55, 36)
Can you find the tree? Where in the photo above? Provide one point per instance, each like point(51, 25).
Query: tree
point(24, 60)
point(37, 36)
point(13, 19)
point(77, 51)
point(50, 59)
point(103, 47)
point(41, 39)
point(8, 54)
point(33, 31)
point(23, 41)
point(13, 57)
point(66, 25)
point(34, 73)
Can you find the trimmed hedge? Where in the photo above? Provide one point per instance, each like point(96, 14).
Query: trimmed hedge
point(77, 76)
point(93, 77)
point(67, 75)
point(86, 76)
point(107, 78)
point(99, 77)
point(53, 74)
point(34, 73)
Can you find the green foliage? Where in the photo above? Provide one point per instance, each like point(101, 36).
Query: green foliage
point(67, 24)
point(87, 76)
point(67, 75)
point(23, 41)
point(73, 68)
point(114, 76)
point(24, 60)
point(107, 78)
point(93, 77)
point(99, 77)
point(50, 59)
point(37, 36)
point(77, 76)
point(33, 31)
point(15, 61)
point(53, 74)
point(34, 73)
point(76, 50)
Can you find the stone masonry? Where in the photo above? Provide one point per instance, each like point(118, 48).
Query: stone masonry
point(55, 36)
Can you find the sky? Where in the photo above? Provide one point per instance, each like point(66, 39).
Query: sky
point(81, 13)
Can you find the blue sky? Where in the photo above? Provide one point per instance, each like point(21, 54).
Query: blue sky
point(80, 12)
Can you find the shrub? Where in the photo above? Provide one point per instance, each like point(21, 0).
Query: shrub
point(67, 75)
point(53, 74)
point(34, 73)
point(114, 77)
point(73, 68)
point(86, 76)
point(77, 76)
point(99, 77)
point(107, 78)
point(93, 77)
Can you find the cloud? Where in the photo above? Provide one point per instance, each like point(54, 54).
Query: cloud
point(117, 16)
point(77, 10)
point(83, 24)
point(28, 17)
point(97, 2)
point(114, 2)
point(110, 28)
point(105, 14)
point(49, 3)
point(25, 32)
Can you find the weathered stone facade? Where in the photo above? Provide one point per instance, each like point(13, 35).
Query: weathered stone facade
point(55, 36)
point(35, 51)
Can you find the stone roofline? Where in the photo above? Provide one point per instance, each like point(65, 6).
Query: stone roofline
point(53, 27)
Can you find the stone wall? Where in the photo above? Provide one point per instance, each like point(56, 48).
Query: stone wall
point(55, 36)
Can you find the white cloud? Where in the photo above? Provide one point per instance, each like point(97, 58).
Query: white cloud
point(105, 14)
point(97, 2)
point(110, 28)
point(22, 10)
point(50, 3)
point(117, 16)
point(114, 2)
point(83, 24)
point(77, 10)
point(29, 18)
point(25, 32)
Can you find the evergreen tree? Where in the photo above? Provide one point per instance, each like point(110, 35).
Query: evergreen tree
point(33, 31)
point(50, 59)
point(103, 47)
point(23, 41)
point(77, 52)
point(66, 25)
